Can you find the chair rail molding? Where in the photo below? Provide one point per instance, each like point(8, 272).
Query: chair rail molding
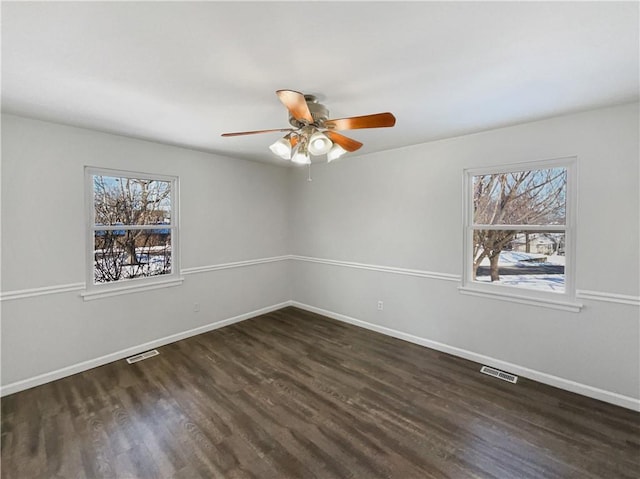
point(602, 296)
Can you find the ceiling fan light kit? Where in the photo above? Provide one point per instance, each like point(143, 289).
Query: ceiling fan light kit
point(335, 152)
point(319, 144)
point(301, 158)
point(313, 133)
point(282, 148)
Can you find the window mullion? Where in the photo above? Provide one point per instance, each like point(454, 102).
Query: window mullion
point(520, 227)
point(132, 227)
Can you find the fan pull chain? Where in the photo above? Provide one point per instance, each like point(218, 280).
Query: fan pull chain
point(309, 178)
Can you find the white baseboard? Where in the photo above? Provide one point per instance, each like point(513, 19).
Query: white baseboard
point(566, 384)
point(124, 353)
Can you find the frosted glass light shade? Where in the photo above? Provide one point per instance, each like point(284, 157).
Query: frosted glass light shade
point(282, 148)
point(335, 152)
point(301, 158)
point(319, 144)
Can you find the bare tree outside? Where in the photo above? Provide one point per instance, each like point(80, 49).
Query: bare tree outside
point(132, 234)
point(514, 200)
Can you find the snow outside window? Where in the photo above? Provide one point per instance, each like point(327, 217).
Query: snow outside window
point(519, 231)
point(132, 228)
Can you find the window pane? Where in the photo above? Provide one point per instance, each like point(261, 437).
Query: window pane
point(126, 254)
point(131, 201)
point(526, 259)
point(534, 197)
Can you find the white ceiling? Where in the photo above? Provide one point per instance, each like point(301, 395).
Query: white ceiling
point(184, 72)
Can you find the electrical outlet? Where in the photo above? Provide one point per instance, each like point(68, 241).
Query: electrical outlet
point(196, 307)
point(380, 305)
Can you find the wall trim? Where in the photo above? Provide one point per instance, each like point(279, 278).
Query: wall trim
point(608, 297)
point(124, 353)
point(516, 298)
point(580, 294)
point(65, 288)
point(545, 378)
point(384, 269)
point(235, 264)
point(128, 288)
point(33, 292)
point(71, 287)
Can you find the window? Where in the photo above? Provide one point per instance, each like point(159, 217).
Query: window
point(519, 231)
point(132, 230)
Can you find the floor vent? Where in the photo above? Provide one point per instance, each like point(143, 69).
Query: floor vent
point(141, 356)
point(496, 373)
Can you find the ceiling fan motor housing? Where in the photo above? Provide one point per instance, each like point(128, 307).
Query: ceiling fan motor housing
point(319, 113)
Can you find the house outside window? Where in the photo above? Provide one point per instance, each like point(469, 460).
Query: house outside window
point(132, 233)
point(519, 231)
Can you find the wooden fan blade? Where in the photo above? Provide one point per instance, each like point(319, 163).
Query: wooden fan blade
point(239, 133)
point(296, 104)
point(377, 120)
point(345, 142)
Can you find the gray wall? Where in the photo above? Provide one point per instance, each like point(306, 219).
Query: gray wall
point(399, 209)
point(231, 210)
point(403, 209)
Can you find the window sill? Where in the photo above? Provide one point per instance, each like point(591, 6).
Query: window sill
point(522, 299)
point(108, 291)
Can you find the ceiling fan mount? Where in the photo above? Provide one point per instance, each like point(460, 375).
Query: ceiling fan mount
point(313, 133)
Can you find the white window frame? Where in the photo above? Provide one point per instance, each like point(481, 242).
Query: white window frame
point(103, 290)
point(564, 301)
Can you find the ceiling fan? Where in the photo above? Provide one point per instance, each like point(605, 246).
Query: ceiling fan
point(313, 133)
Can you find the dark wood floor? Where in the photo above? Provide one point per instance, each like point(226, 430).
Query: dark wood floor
point(295, 395)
